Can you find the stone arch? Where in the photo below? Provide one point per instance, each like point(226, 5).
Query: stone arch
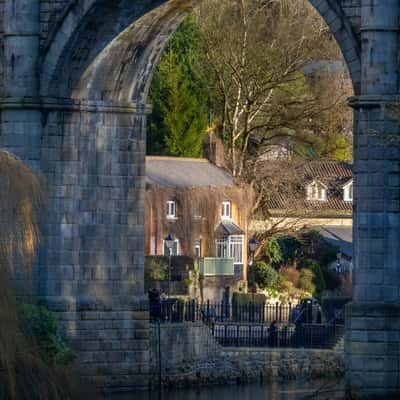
point(340, 26)
point(96, 68)
point(136, 35)
point(80, 51)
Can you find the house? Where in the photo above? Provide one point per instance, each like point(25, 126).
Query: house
point(206, 214)
point(312, 194)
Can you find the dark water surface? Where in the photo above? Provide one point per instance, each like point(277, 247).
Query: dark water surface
point(293, 390)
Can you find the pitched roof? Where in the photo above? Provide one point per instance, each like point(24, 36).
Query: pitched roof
point(185, 172)
point(329, 172)
point(334, 175)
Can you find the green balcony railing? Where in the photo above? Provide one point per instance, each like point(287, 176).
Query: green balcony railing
point(213, 266)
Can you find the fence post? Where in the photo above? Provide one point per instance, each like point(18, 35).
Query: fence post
point(277, 311)
point(250, 341)
point(262, 335)
point(263, 313)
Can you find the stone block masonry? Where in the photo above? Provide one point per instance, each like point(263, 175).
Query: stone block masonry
point(112, 339)
point(92, 263)
point(191, 357)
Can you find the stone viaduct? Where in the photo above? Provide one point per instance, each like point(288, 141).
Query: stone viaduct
point(74, 76)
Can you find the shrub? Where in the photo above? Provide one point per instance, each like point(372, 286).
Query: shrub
point(318, 277)
point(39, 324)
point(290, 249)
point(291, 274)
point(317, 248)
point(245, 298)
point(309, 245)
point(156, 269)
point(272, 252)
point(267, 277)
point(331, 279)
point(306, 280)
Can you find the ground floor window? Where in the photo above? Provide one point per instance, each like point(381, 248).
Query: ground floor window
point(174, 249)
point(197, 248)
point(230, 246)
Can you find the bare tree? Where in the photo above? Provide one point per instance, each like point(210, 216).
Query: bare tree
point(256, 51)
point(269, 92)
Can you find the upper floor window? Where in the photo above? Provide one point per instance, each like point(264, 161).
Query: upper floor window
point(348, 191)
point(316, 191)
point(226, 210)
point(171, 209)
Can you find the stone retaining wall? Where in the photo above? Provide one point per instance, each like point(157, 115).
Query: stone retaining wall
point(190, 356)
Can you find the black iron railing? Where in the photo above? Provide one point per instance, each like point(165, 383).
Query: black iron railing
point(173, 310)
point(322, 336)
point(253, 325)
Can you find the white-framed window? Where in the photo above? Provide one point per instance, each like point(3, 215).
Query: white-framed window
point(317, 191)
point(236, 248)
point(348, 191)
point(221, 248)
point(230, 247)
point(171, 209)
point(174, 248)
point(226, 210)
point(197, 248)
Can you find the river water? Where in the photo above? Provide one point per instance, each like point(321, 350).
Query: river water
point(292, 390)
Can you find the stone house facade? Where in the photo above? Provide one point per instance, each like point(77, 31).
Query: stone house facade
point(206, 214)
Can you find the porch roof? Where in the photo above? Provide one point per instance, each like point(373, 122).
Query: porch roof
point(228, 228)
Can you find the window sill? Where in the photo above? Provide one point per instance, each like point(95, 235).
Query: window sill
point(322, 200)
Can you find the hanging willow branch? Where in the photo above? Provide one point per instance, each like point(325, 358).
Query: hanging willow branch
point(19, 204)
point(20, 199)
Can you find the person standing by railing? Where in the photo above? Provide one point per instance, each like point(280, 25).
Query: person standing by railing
point(273, 334)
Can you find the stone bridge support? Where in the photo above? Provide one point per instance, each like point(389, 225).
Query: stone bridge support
point(373, 319)
point(21, 52)
point(74, 109)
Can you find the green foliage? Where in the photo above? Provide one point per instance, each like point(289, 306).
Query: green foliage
point(318, 277)
point(331, 279)
point(267, 277)
point(245, 298)
point(306, 280)
point(342, 149)
point(178, 93)
point(314, 246)
point(290, 249)
point(272, 252)
point(156, 269)
point(309, 245)
point(38, 323)
point(187, 282)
